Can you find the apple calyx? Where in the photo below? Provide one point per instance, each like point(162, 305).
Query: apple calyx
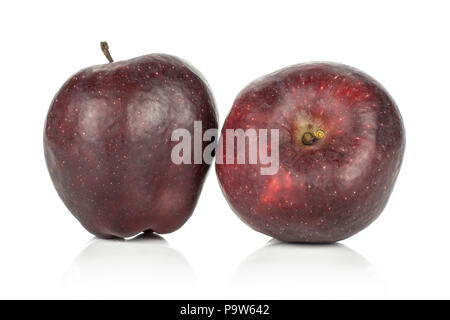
point(310, 138)
point(105, 48)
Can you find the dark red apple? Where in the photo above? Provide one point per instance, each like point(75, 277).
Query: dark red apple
point(341, 144)
point(108, 144)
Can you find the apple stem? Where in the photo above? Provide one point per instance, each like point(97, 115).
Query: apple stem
point(310, 138)
point(105, 48)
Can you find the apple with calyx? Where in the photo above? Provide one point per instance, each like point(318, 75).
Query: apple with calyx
point(341, 145)
point(108, 144)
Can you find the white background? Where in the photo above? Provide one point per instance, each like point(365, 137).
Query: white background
point(45, 253)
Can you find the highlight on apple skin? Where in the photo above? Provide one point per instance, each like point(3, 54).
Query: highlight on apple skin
point(341, 145)
point(108, 145)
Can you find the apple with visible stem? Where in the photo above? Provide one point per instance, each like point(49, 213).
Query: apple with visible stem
point(341, 145)
point(108, 144)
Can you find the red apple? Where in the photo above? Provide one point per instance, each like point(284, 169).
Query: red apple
point(341, 144)
point(108, 144)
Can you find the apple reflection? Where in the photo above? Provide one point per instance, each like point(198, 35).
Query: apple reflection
point(297, 271)
point(145, 267)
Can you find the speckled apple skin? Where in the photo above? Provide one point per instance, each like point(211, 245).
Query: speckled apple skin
point(108, 144)
point(328, 191)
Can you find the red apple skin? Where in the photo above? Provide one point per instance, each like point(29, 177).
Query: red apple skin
point(108, 145)
point(327, 191)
